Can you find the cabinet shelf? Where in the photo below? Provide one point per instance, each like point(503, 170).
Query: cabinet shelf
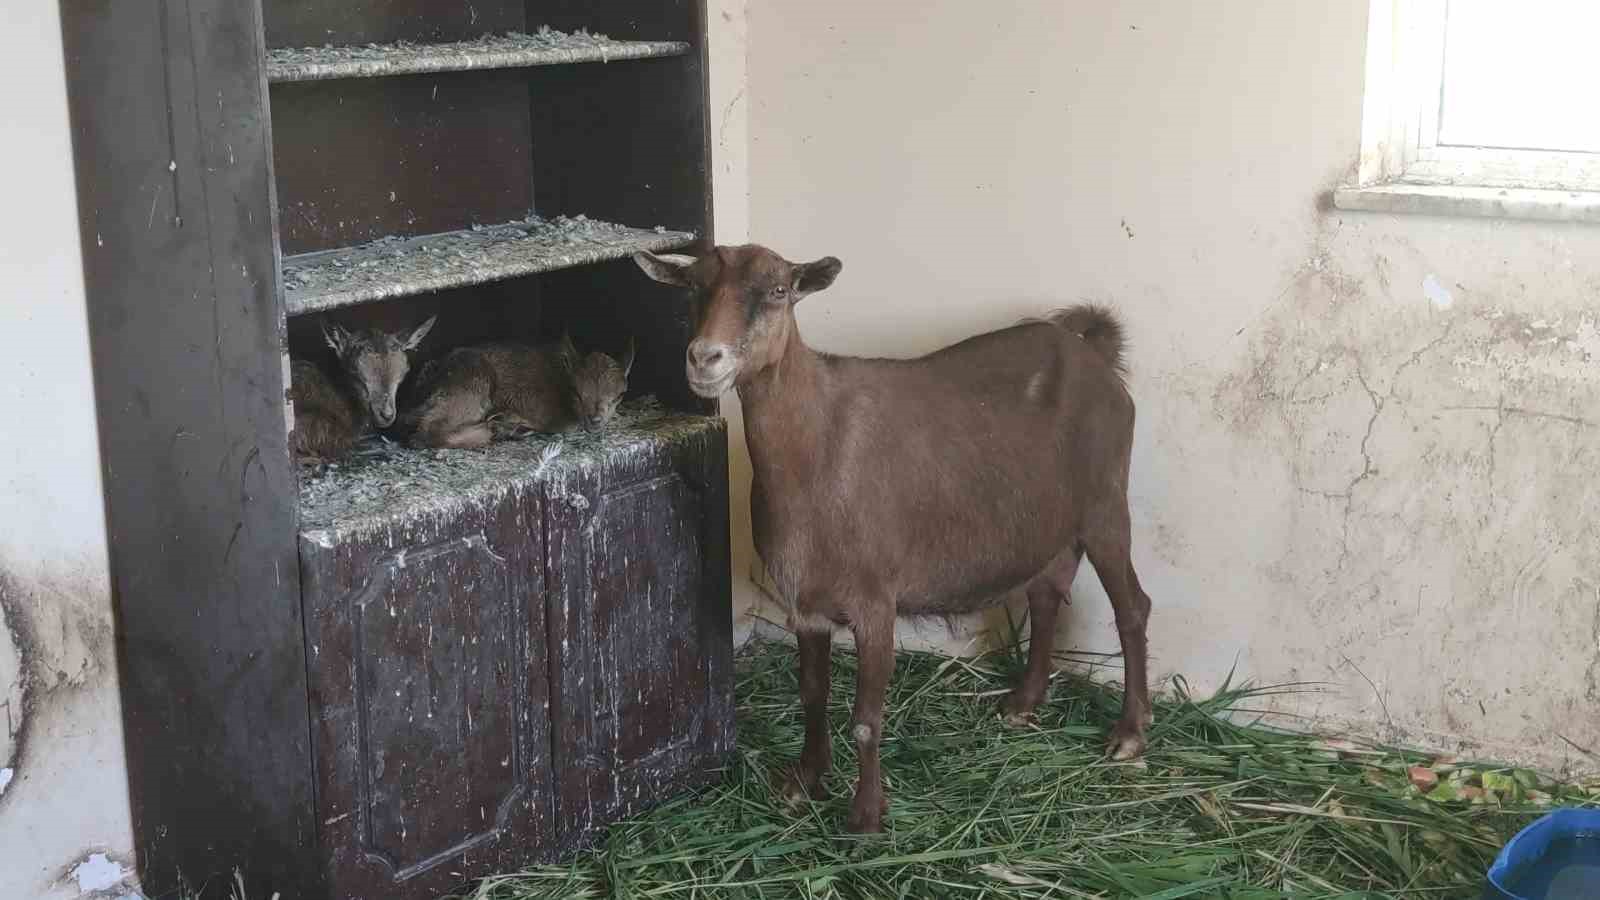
point(395, 267)
point(509, 51)
point(386, 486)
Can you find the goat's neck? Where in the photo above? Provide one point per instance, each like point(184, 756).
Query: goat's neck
point(785, 409)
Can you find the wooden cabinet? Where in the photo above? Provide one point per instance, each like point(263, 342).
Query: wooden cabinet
point(508, 652)
point(389, 678)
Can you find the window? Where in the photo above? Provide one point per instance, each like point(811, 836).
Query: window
point(1482, 107)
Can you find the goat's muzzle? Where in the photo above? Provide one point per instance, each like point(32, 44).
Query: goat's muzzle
point(710, 367)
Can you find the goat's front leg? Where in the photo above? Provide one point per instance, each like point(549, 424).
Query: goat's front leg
point(874, 666)
point(805, 779)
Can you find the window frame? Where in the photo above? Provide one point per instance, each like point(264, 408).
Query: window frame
point(1400, 146)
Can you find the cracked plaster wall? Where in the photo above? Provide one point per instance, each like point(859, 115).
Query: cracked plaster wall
point(64, 822)
point(1367, 444)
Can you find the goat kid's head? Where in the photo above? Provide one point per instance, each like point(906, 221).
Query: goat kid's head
point(376, 362)
point(745, 301)
point(598, 382)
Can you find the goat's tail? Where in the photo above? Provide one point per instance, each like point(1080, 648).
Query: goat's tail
point(1099, 327)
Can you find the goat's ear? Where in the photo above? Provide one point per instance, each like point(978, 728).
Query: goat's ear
point(667, 268)
point(337, 337)
point(414, 339)
point(627, 357)
point(568, 351)
point(814, 276)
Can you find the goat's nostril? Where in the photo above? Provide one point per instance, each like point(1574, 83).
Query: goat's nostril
point(705, 355)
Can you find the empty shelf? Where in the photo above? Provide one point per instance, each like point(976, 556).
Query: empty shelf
point(382, 485)
point(404, 267)
point(509, 51)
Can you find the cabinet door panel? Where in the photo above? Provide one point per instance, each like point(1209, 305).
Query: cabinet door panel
point(437, 664)
point(640, 628)
point(429, 693)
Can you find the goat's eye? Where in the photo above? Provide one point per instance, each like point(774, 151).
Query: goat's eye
point(780, 292)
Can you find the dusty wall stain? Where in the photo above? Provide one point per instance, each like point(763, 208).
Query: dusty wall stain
point(16, 692)
point(66, 787)
point(1441, 538)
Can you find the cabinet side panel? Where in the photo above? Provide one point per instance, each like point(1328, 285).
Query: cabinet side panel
point(171, 150)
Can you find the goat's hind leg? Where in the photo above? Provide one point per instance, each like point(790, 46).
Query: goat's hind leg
point(1131, 605)
point(457, 424)
point(1046, 592)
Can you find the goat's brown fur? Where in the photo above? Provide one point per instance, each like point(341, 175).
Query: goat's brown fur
point(924, 486)
point(474, 395)
point(327, 420)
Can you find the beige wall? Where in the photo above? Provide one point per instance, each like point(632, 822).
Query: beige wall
point(64, 824)
point(1367, 443)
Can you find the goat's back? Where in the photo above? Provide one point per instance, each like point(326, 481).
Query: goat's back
point(962, 473)
point(524, 381)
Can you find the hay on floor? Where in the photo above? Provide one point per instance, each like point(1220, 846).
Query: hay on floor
point(1217, 809)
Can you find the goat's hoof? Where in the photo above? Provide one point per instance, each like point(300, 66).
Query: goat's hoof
point(796, 787)
point(1016, 713)
point(1017, 719)
point(866, 817)
point(1126, 742)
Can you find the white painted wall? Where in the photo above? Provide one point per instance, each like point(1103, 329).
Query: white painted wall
point(728, 37)
point(1366, 443)
point(64, 822)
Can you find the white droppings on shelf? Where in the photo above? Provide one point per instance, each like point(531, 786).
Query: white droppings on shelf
point(514, 49)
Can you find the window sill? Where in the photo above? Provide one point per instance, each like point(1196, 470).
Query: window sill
point(1460, 200)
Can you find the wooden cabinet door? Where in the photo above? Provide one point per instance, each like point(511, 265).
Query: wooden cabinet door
point(429, 696)
point(640, 626)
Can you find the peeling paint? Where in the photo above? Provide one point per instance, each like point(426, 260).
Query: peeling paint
point(98, 872)
point(1437, 294)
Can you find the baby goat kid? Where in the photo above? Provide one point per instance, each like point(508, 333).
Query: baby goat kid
point(474, 395)
point(331, 414)
point(921, 486)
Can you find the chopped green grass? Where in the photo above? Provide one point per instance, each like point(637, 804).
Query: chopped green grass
point(1217, 809)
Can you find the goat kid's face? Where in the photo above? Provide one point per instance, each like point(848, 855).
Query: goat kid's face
point(745, 298)
point(598, 383)
point(376, 363)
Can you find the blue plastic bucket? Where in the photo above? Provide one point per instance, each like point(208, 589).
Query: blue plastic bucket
point(1555, 858)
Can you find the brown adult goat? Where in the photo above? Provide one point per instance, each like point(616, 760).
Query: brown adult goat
point(924, 486)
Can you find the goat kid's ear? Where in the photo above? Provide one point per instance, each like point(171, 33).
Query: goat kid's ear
point(568, 351)
point(627, 358)
point(814, 276)
point(336, 336)
point(667, 268)
point(417, 334)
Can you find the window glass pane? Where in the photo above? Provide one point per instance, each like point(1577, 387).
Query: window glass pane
point(1522, 74)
